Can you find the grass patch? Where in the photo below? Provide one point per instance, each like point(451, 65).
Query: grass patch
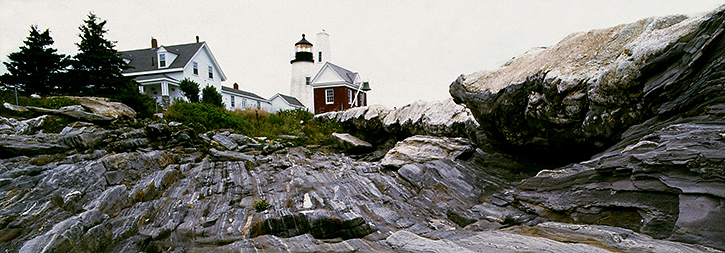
point(52, 103)
point(257, 123)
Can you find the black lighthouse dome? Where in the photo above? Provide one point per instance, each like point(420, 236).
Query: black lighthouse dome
point(303, 51)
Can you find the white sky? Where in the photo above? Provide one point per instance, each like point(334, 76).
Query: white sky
point(408, 50)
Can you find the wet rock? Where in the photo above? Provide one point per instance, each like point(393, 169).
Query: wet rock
point(17, 127)
point(230, 156)
point(440, 118)
point(104, 107)
point(225, 141)
point(351, 143)
point(569, 106)
point(636, 111)
point(76, 112)
point(420, 149)
point(17, 108)
point(158, 131)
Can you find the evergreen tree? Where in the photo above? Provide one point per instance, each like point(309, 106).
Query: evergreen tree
point(97, 68)
point(35, 68)
point(209, 95)
point(190, 90)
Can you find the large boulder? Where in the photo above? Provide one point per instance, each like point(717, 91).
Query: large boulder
point(422, 148)
point(647, 95)
point(74, 111)
point(439, 118)
point(106, 108)
point(351, 143)
point(577, 97)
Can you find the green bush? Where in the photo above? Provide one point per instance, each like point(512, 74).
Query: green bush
point(209, 95)
point(256, 122)
point(45, 102)
point(211, 117)
point(261, 205)
point(143, 104)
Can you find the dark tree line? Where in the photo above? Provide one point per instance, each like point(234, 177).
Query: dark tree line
point(96, 70)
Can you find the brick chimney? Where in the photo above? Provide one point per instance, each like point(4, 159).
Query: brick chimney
point(236, 86)
point(197, 38)
point(154, 43)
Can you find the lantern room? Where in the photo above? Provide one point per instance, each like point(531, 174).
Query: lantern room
point(303, 51)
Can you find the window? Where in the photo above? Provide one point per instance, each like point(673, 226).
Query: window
point(196, 68)
point(329, 96)
point(349, 96)
point(162, 60)
point(319, 56)
point(231, 101)
point(211, 72)
point(307, 80)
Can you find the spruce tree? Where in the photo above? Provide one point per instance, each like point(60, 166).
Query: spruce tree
point(209, 95)
point(190, 90)
point(35, 68)
point(97, 68)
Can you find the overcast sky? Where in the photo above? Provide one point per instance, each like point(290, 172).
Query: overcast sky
point(407, 50)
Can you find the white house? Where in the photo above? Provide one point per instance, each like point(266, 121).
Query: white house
point(236, 99)
point(159, 69)
point(281, 102)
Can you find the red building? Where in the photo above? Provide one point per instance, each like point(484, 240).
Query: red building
point(320, 85)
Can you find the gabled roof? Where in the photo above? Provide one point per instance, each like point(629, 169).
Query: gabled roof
point(289, 99)
point(142, 60)
point(346, 75)
point(145, 59)
point(242, 93)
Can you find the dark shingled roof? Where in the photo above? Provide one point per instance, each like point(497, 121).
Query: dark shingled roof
point(242, 93)
point(145, 59)
point(347, 75)
point(291, 100)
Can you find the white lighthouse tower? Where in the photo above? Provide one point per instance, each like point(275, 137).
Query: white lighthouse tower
point(322, 47)
point(303, 69)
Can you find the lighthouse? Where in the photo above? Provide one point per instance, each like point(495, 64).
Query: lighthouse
point(303, 69)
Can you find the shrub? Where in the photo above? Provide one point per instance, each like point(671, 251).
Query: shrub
point(261, 205)
point(143, 104)
point(209, 95)
point(253, 122)
point(209, 116)
point(190, 90)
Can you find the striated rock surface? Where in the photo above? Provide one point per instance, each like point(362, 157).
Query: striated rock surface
point(651, 179)
point(106, 108)
point(170, 194)
point(90, 199)
point(377, 123)
point(351, 143)
point(637, 109)
point(579, 96)
point(422, 148)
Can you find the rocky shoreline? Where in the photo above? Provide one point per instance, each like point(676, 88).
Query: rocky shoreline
point(610, 141)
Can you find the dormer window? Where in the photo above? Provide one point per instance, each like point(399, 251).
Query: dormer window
point(162, 60)
point(211, 72)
